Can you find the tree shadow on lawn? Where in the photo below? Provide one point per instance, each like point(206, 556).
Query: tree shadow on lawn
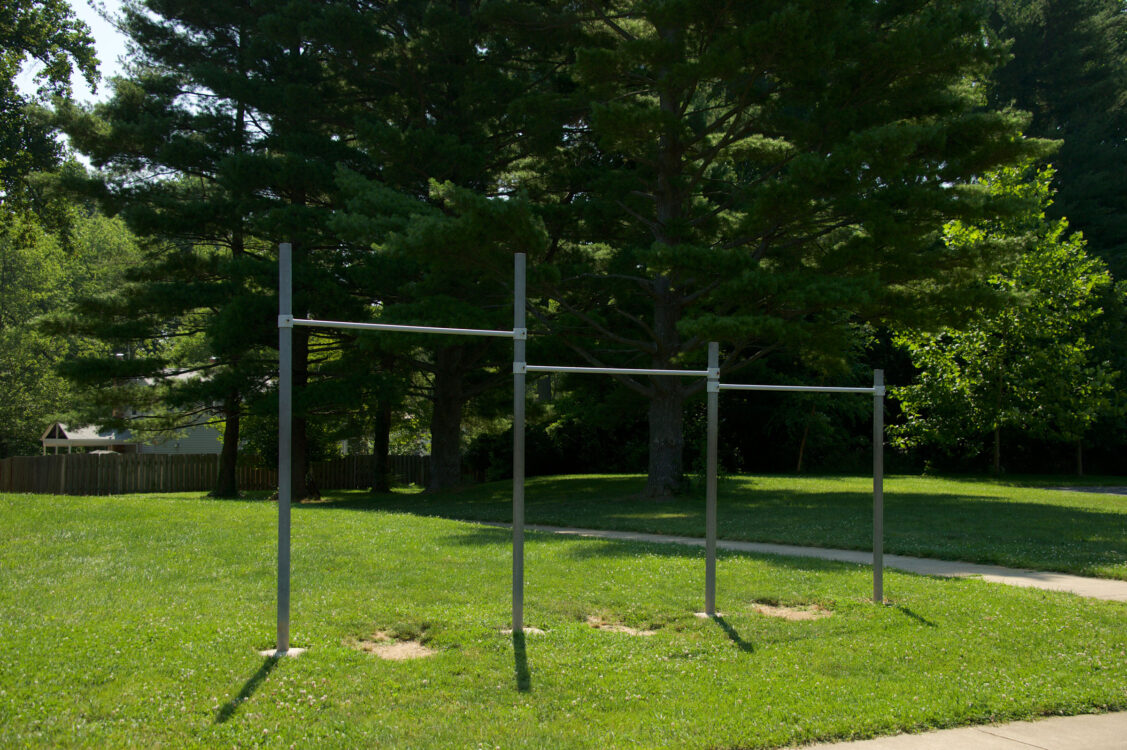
point(944, 525)
point(600, 548)
point(1037, 481)
point(230, 707)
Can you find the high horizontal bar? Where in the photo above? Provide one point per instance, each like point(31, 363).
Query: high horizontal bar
point(798, 388)
point(617, 371)
point(407, 329)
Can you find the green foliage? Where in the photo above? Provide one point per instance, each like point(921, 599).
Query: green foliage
point(456, 98)
point(208, 150)
point(1028, 362)
point(768, 175)
point(47, 32)
point(1067, 68)
point(31, 284)
point(42, 269)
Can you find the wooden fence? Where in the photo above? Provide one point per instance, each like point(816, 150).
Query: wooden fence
point(113, 474)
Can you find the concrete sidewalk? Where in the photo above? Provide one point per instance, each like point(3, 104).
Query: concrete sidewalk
point(1091, 732)
point(1095, 588)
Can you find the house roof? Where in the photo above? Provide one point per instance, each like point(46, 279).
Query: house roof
point(58, 434)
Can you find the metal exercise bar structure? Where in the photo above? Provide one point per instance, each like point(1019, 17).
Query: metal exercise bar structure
point(877, 391)
point(615, 371)
point(285, 420)
point(519, 335)
point(878, 486)
point(713, 375)
point(311, 323)
point(286, 324)
point(713, 388)
point(519, 397)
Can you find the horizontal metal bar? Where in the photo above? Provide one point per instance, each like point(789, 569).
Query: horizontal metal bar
point(794, 388)
point(617, 371)
point(403, 329)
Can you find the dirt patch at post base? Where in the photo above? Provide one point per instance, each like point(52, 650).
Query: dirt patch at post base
point(600, 623)
point(385, 647)
point(794, 614)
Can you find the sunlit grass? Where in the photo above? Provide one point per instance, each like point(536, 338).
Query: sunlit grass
point(134, 621)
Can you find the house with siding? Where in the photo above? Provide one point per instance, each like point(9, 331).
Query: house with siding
point(196, 440)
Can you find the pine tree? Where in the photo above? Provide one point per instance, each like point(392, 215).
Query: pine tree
point(766, 174)
point(208, 147)
point(1069, 70)
point(458, 94)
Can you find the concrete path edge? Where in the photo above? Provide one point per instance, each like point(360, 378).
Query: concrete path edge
point(1095, 588)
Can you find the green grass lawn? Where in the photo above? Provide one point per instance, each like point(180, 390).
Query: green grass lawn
point(1018, 524)
point(134, 621)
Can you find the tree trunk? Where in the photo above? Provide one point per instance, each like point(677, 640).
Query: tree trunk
point(1079, 458)
point(997, 451)
point(227, 483)
point(667, 440)
point(802, 443)
point(299, 453)
point(446, 420)
point(666, 419)
point(381, 442)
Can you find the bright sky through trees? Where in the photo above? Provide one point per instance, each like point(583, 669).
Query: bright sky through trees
point(109, 43)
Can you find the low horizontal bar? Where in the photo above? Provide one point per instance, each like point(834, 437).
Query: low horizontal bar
point(796, 388)
point(403, 329)
point(617, 371)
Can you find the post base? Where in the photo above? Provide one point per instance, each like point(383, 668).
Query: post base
point(273, 653)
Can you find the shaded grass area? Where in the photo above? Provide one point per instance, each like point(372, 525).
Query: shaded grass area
point(135, 621)
point(1014, 523)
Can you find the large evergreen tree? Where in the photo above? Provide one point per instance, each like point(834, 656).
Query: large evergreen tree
point(453, 99)
point(210, 146)
point(1068, 68)
point(765, 173)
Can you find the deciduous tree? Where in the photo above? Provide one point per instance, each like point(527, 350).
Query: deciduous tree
point(1025, 363)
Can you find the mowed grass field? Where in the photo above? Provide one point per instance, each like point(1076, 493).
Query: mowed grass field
point(1017, 523)
point(136, 620)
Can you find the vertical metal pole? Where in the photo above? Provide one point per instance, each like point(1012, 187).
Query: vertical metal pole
point(285, 416)
point(878, 486)
point(713, 387)
point(519, 364)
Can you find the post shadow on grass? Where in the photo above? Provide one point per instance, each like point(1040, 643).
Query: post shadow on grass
point(733, 635)
point(229, 708)
point(520, 663)
point(921, 620)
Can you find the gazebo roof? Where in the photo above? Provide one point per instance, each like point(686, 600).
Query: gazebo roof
point(58, 434)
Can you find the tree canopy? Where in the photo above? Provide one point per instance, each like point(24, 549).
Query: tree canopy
point(1028, 361)
point(46, 32)
point(768, 175)
point(790, 179)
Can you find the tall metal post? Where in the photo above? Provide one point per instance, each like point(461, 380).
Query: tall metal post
point(520, 335)
point(713, 387)
point(285, 416)
point(878, 486)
